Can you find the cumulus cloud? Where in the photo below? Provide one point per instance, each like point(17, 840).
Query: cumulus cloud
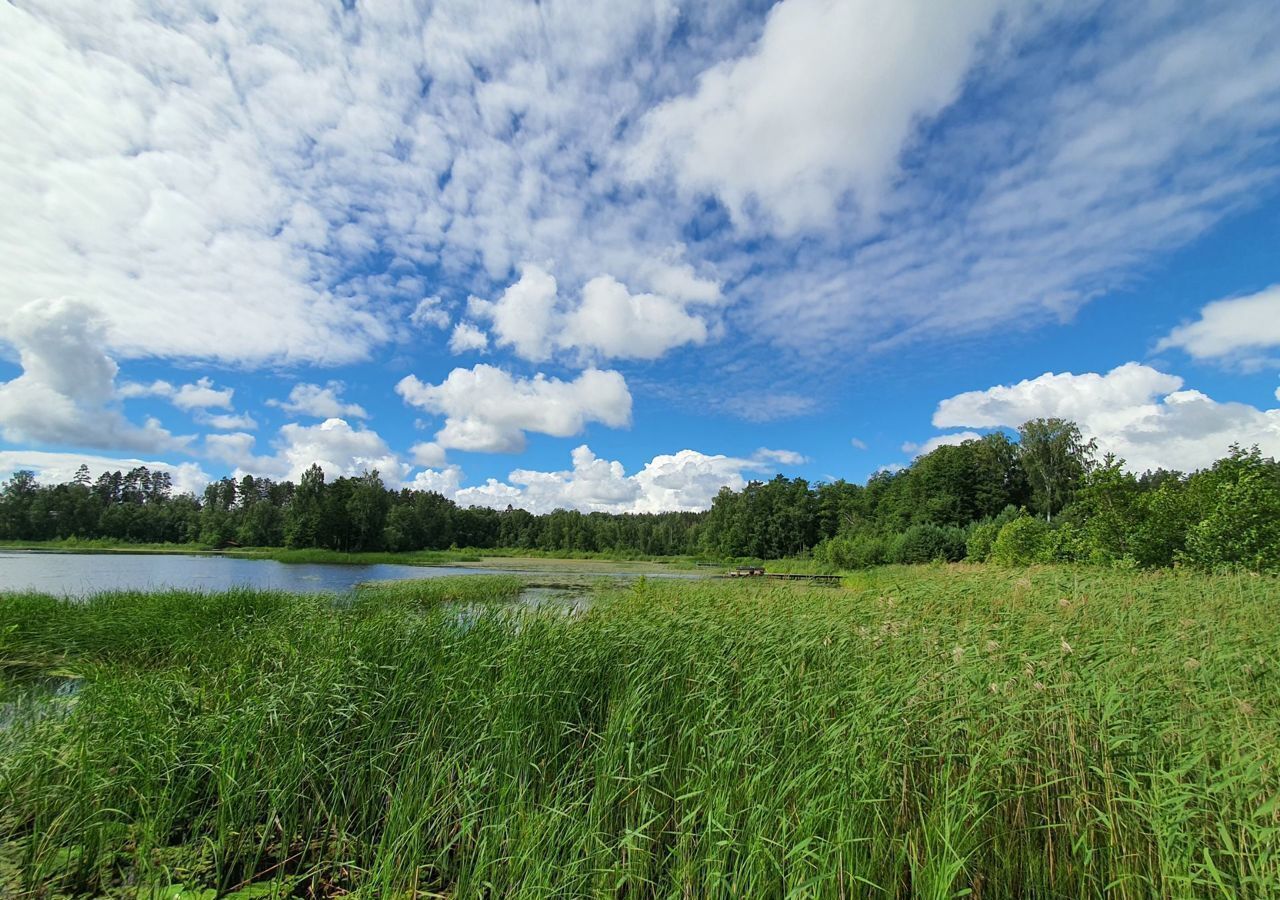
point(1239, 328)
point(445, 481)
point(159, 388)
point(428, 454)
point(819, 108)
point(334, 445)
point(1134, 411)
point(488, 410)
point(607, 321)
point(687, 480)
point(197, 398)
point(523, 317)
point(58, 468)
point(612, 323)
point(941, 440)
point(202, 395)
point(467, 337)
point(67, 393)
point(321, 402)
point(429, 314)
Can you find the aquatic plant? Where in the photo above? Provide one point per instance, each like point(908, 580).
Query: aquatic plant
point(926, 731)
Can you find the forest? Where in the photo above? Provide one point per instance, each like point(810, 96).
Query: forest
point(1045, 497)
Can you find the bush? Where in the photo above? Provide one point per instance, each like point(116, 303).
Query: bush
point(978, 546)
point(926, 543)
point(1067, 542)
point(1242, 529)
point(853, 551)
point(1021, 542)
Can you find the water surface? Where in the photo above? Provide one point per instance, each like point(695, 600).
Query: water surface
point(79, 574)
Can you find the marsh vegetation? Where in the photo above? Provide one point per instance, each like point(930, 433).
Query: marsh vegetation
point(921, 731)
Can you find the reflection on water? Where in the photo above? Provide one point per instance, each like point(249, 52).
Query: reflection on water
point(79, 574)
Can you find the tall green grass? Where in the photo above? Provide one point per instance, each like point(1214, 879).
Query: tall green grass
point(923, 732)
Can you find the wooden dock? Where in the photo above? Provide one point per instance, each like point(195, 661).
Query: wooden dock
point(759, 572)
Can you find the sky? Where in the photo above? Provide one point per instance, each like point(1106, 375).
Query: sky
point(614, 256)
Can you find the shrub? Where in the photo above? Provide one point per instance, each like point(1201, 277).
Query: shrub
point(1243, 526)
point(1067, 542)
point(853, 551)
point(978, 546)
point(1020, 542)
point(925, 543)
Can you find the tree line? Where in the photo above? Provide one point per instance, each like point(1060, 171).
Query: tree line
point(1045, 497)
point(347, 514)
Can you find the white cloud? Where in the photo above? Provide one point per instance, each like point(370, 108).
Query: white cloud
point(606, 321)
point(202, 395)
point(941, 440)
point(687, 480)
point(444, 481)
point(524, 316)
point(467, 337)
point(780, 457)
point(821, 106)
point(333, 444)
point(857, 444)
point(229, 421)
point(1237, 328)
point(612, 323)
point(488, 410)
point(159, 388)
point(1134, 411)
point(429, 313)
point(58, 468)
point(196, 397)
point(66, 393)
point(321, 402)
point(1037, 195)
point(213, 182)
point(428, 454)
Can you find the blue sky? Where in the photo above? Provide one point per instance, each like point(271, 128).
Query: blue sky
point(616, 256)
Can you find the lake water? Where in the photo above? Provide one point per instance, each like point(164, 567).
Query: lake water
point(78, 574)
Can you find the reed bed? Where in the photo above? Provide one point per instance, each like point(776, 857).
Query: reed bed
point(921, 732)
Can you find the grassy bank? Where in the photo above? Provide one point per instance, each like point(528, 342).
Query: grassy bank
point(102, 545)
point(920, 732)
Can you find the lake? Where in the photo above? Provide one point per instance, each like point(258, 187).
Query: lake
point(78, 574)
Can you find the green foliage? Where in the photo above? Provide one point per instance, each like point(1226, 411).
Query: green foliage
point(1021, 542)
point(982, 536)
point(927, 543)
point(1224, 516)
point(1055, 457)
point(700, 740)
point(860, 550)
point(1241, 526)
point(766, 520)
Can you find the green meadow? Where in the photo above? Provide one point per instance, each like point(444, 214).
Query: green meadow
point(928, 731)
